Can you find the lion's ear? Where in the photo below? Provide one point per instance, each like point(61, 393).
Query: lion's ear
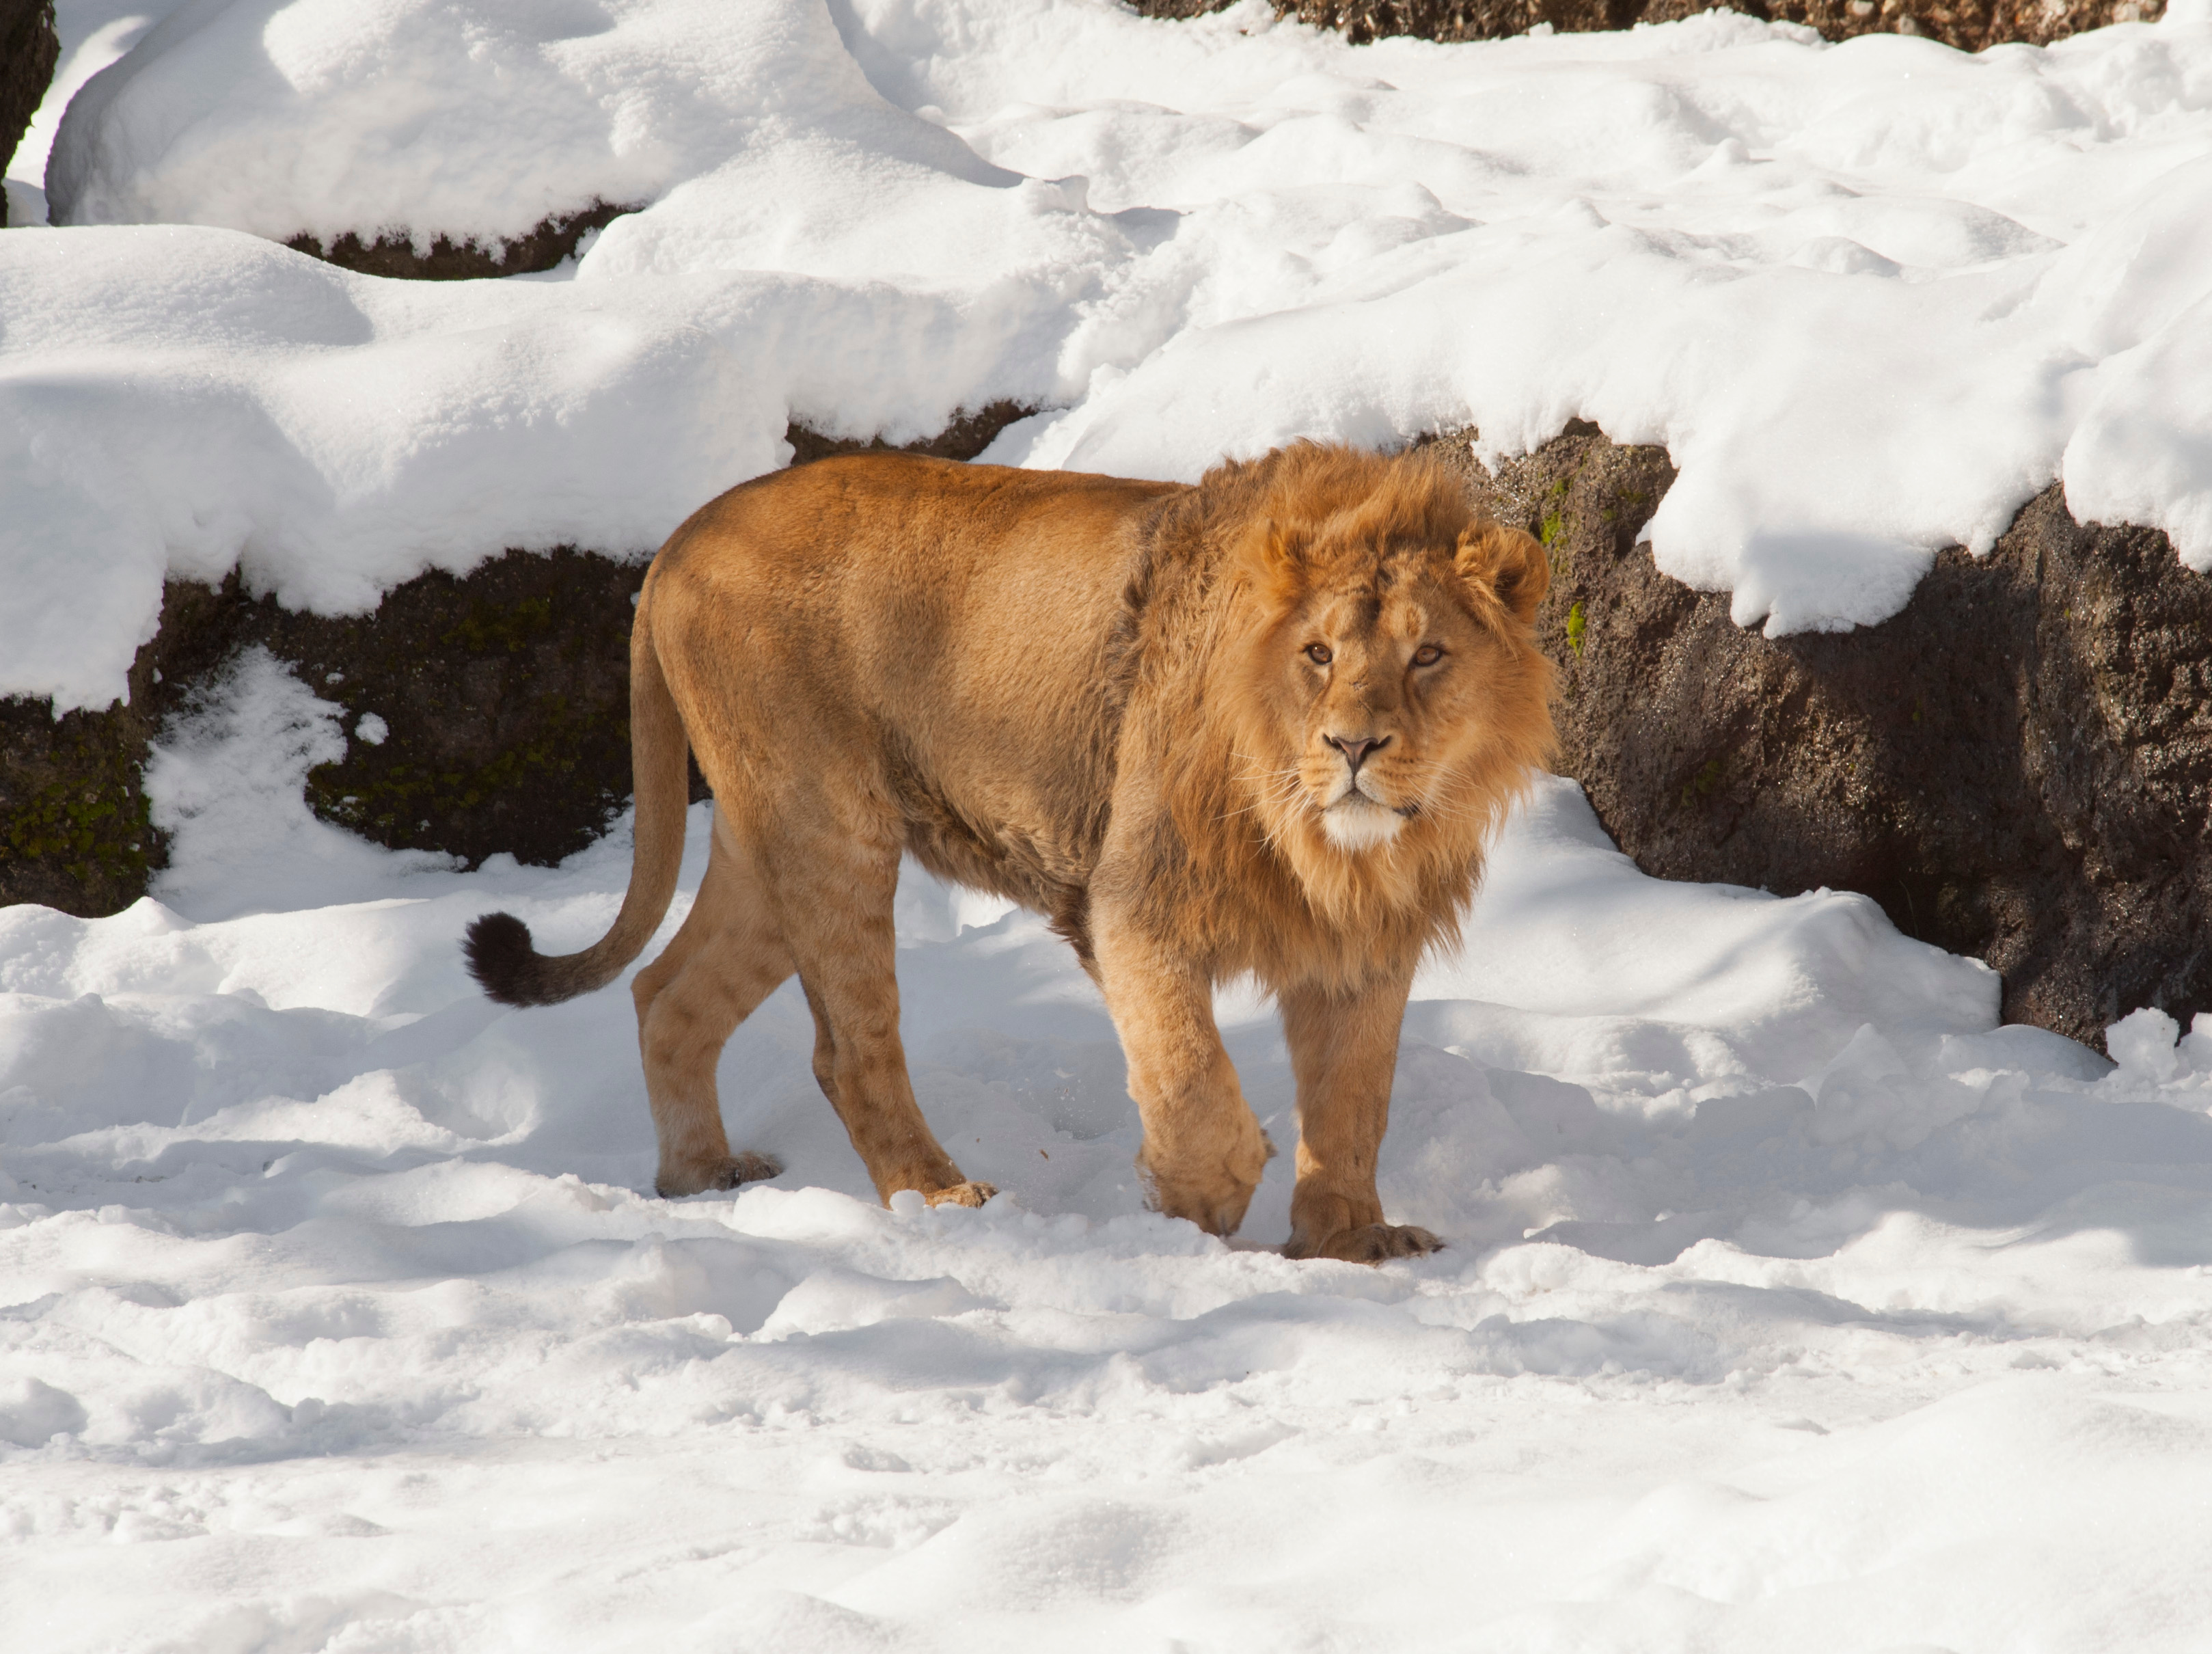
point(1507, 563)
point(1272, 558)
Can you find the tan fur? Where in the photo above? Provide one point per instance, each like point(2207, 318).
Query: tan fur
point(1094, 696)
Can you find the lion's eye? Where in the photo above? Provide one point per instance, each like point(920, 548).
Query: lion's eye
point(1319, 654)
point(1427, 655)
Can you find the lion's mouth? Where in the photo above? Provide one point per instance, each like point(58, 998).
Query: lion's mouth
point(1355, 794)
point(1359, 820)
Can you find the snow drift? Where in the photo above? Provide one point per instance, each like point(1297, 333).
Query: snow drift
point(1789, 1302)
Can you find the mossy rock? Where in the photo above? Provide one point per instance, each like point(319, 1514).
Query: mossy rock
point(500, 702)
point(74, 833)
point(482, 712)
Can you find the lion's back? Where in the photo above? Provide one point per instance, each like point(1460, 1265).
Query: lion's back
point(947, 630)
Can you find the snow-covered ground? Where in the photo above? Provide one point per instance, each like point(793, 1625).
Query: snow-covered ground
point(1790, 1304)
point(1871, 297)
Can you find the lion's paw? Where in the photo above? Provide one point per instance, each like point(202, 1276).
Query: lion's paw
point(746, 1168)
point(1374, 1242)
point(966, 1193)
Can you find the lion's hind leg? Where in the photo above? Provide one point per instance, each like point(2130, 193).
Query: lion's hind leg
point(966, 1192)
point(839, 924)
point(728, 957)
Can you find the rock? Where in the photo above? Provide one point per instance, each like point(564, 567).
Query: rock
point(968, 435)
point(501, 699)
point(502, 702)
point(29, 50)
point(2015, 767)
point(74, 833)
point(392, 253)
point(1969, 25)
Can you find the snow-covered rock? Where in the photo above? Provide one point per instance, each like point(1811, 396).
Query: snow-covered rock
point(1870, 297)
point(1969, 25)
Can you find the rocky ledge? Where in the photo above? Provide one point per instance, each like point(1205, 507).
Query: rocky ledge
point(28, 49)
point(1969, 25)
point(2016, 766)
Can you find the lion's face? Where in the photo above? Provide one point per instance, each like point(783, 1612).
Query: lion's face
point(1394, 684)
point(1379, 683)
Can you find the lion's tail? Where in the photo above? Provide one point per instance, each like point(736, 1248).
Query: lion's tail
point(498, 946)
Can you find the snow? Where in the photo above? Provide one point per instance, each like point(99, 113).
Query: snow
point(1790, 1302)
point(1872, 297)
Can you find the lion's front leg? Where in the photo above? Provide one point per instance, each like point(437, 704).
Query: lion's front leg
point(1344, 1048)
point(1204, 1150)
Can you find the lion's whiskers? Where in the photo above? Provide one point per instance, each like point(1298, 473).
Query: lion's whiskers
point(1275, 789)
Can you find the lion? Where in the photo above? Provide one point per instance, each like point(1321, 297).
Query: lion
point(1262, 727)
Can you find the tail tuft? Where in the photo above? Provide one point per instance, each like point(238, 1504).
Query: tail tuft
point(497, 946)
point(507, 967)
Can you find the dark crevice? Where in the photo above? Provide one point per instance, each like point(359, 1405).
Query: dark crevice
point(967, 435)
point(393, 252)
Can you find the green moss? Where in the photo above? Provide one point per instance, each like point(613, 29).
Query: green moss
point(1702, 784)
point(389, 800)
point(1576, 626)
point(92, 822)
point(511, 626)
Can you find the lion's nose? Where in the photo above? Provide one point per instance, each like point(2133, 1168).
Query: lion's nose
point(1356, 748)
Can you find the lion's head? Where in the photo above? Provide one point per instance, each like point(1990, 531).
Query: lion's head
point(1386, 697)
